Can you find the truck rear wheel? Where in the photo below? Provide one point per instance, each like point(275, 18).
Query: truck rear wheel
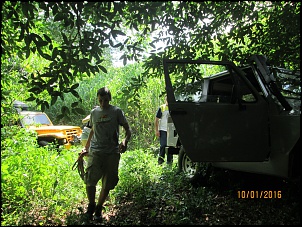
point(186, 165)
point(195, 171)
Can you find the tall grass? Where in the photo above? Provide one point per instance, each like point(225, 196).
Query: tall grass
point(139, 107)
point(39, 186)
point(36, 182)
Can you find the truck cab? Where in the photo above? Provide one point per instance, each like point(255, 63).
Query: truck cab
point(241, 118)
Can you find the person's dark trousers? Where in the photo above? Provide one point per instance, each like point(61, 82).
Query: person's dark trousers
point(163, 144)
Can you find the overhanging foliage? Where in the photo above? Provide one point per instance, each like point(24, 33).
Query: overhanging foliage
point(72, 38)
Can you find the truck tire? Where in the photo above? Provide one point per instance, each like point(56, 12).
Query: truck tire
point(185, 164)
point(43, 143)
point(195, 171)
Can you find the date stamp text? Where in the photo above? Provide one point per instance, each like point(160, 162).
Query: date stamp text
point(256, 194)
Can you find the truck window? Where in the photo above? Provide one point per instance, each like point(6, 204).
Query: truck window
point(220, 90)
point(188, 81)
point(210, 83)
point(36, 119)
point(190, 92)
point(246, 93)
point(223, 90)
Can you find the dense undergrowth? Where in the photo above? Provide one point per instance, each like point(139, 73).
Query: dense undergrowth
point(39, 187)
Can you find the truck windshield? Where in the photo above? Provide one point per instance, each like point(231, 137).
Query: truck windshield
point(36, 119)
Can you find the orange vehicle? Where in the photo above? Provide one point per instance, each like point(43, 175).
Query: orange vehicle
point(61, 135)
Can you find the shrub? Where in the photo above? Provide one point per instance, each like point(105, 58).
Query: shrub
point(36, 181)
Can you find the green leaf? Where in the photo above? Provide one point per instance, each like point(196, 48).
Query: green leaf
point(74, 104)
point(73, 87)
point(53, 99)
point(31, 98)
point(103, 69)
point(117, 45)
point(59, 117)
point(75, 93)
point(44, 105)
point(67, 118)
point(47, 56)
point(35, 89)
point(115, 33)
point(65, 110)
point(80, 111)
point(55, 52)
point(64, 38)
point(27, 52)
point(58, 17)
point(125, 61)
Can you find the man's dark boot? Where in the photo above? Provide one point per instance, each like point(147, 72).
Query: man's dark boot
point(160, 160)
point(89, 212)
point(98, 213)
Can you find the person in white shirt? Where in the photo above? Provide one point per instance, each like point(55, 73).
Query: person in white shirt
point(86, 130)
point(160, 124)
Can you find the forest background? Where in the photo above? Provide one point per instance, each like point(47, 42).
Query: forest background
point(55, 55)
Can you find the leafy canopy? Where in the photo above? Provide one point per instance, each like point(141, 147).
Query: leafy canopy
point(67, 41)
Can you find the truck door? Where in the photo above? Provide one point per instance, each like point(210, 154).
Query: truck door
point(219, 117)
